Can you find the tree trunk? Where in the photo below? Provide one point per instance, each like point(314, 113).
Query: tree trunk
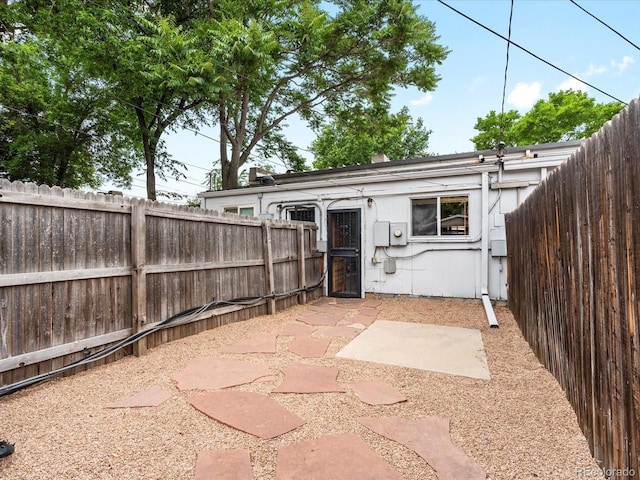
point(229, 175)
point(149, 145)
point(150, 160)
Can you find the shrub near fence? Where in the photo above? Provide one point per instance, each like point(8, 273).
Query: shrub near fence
point(80, 272)
point(574, 273)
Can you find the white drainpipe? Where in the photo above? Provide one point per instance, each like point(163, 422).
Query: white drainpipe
point(491, 316)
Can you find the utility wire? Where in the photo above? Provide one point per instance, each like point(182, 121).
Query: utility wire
point(504, 86)
point(603, 23)
point(529, 52)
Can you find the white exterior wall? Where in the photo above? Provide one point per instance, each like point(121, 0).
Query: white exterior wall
point(427, 266)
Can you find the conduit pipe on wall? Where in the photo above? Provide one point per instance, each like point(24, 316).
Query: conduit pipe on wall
point(486, 302)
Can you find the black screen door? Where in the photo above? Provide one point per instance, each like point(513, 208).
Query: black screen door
point(344, 253)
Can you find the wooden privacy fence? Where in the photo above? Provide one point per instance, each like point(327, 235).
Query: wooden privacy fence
point(79, 272)
point(574, 273)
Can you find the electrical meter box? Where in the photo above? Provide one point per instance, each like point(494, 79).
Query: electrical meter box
point(381, 234)
point(398, 233)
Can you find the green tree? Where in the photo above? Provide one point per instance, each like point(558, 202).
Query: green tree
point(494, 129)
point(308, 58)
point(55, 122)
point(353, 138)
point(157, 71)
point(565, 115)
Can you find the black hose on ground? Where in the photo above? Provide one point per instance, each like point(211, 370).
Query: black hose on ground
point(15, 387)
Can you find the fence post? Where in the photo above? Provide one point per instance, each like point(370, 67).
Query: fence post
point(139, 280)
point(268, 265)
point(302, 268)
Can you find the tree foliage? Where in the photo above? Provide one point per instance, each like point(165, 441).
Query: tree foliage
point(353, 138)
point(154, 71)
point(565, 115)
point(55, 121)
point(286, 58)
point(157, 65)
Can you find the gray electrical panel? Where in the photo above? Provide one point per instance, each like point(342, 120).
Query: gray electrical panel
point(398, 233)
point(498, 248)
point(381, 234)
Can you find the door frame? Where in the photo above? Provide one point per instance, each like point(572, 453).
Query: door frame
point(349, 252)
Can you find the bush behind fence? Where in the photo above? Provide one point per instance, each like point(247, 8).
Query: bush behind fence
point(80, 271)
point(574, 268)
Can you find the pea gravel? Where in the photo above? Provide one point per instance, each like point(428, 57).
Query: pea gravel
point(518, 425)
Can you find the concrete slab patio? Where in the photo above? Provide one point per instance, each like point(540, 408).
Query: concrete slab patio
point(453, 350)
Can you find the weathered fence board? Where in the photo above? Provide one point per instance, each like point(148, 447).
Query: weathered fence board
point(573, 285)
point(79, 272)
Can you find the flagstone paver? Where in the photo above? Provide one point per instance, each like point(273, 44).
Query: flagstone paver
point(429, 438)
point(249, 412)
point(295, 329)
point(341, 456)
point(309, 347)
point(301, 378)
point(210, 373)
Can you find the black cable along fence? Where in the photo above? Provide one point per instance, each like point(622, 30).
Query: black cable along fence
point(574, 278)
point(86, 279)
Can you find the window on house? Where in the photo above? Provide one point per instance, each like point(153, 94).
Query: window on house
point(248, 211)
point(303, 214)
point(440, 216)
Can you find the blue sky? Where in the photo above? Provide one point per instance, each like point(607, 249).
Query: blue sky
point(472, 76)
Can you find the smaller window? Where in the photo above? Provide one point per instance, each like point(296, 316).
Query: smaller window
point(440, 216)
point(303, 214)
point(247, 211)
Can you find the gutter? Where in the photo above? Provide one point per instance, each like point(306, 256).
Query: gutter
point(486, 301)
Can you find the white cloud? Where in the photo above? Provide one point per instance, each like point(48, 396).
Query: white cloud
point(623, 64)
point(524, 95)
point(572, 84)
point(476, 82)
point(593, 70)
point(422, 101)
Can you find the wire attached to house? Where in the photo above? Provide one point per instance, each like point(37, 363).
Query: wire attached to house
point(504, 86)
point(179, 318)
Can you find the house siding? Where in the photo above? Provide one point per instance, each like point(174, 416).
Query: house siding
point(426, 266)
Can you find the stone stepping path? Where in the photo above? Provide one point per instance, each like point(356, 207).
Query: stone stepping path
point(338, 456)
point(209, 373)
point(340, 331)
point(341, 456)
point(248, 412)
point(322, 319)
point(296, 329)
point(309, 347)
point(301, 378)
point(429, 438)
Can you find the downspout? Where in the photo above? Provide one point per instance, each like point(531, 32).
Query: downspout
point(484, 247)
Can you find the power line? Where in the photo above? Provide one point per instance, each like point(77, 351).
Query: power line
point(504, 85)
point(603, 23)
point(529, 52)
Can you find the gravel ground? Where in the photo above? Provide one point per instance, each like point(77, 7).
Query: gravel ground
point(518, 425)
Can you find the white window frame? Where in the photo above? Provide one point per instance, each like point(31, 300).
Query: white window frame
point(438, 220)
point(237, 209)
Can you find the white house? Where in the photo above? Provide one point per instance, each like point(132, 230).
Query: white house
point(432, 226)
